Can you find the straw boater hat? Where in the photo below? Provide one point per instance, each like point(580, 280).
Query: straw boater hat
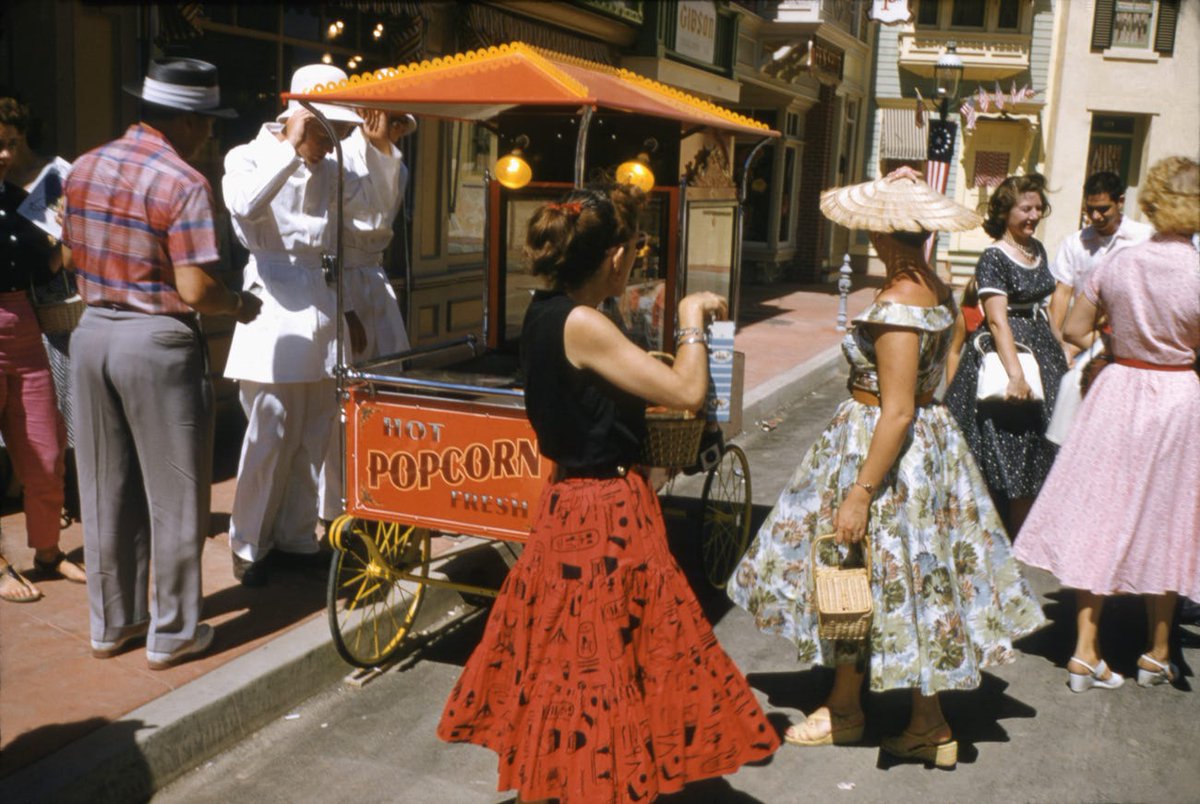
point(188, 85)
point(899, 202)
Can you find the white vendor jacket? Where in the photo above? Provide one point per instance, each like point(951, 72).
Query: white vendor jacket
point(281, 210)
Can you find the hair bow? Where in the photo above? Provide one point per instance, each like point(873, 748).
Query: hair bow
point(571, 208)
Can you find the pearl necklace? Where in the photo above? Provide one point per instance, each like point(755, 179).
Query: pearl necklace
point(1029, 252)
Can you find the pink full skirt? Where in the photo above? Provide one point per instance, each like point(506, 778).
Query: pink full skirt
point(1120, 510)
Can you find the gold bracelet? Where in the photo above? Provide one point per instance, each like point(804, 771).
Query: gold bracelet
point(680, 334)
point(870, 487)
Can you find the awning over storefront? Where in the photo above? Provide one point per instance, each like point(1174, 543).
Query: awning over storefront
point(899, 137)
point(482, 83)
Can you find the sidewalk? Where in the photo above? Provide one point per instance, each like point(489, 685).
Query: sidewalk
point(73, 727)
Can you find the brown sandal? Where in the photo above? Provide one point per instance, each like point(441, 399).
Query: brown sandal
point(53, 568)
point(9, 573)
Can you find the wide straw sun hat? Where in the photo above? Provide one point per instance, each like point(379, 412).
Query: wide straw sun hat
point(899, 202)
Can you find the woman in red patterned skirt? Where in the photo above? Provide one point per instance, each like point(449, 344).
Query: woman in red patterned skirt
point(598, 678)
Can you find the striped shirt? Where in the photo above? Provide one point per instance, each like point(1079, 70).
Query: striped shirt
point(134, 210)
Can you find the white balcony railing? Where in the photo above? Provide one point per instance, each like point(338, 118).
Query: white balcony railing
point(985, 56)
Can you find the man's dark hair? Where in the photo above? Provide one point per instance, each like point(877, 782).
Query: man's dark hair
point(1105, 182)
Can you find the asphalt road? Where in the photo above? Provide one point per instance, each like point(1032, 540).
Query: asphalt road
point(1023, 736)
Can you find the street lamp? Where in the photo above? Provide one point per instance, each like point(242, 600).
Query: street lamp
point(947, 72)
point(940, 148)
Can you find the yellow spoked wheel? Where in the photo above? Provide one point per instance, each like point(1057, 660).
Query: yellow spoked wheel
point(726, 506)
point(375, 587)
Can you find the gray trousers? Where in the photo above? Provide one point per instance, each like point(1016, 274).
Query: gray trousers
point(143, 410)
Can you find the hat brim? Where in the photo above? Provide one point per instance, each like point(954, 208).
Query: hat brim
point(900, 204)
point(136, 91)
point(332, 112)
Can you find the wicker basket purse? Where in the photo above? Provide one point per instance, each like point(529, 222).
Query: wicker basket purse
point(58, 310)
point(842, 596)
point(672, 436)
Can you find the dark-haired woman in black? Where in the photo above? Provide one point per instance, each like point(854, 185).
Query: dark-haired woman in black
point(1014, 284)
point(598, 677)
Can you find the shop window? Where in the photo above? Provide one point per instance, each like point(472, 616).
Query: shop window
point(1009, 16)
point(471, 151)
point(967, 14)
point(1135, 25)
point(758, 191)
point(785, 202)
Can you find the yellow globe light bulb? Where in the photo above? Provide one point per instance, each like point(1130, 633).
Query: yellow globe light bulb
point(513, 171)
point(637, 173)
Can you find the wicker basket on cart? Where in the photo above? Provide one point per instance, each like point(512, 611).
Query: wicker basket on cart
point(842, 596)
point(672, 436)
point(58, 317)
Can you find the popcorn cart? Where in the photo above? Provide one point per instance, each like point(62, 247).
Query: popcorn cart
point(436, 438)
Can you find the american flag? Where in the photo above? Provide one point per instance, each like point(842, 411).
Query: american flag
point(991, 168)
point(967, 110)
point(920, 108)
point(998, 97)
point(984, 99)
point(937, 164)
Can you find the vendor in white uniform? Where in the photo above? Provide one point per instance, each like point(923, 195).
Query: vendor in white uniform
point(281, 193)
point(367, 288)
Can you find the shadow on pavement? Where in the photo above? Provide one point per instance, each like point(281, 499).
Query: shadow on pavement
point(127, 776)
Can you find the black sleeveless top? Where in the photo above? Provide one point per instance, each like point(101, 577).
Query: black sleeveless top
point(582, 421)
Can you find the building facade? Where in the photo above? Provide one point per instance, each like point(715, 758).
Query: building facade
point(1125, 92)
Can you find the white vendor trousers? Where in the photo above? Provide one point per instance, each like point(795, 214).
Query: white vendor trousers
point(287, 432)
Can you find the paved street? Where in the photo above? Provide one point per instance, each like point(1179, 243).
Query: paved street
point(1023, 736)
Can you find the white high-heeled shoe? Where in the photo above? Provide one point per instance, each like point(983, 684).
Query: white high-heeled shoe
point(1081, 682)
point(1165, 674)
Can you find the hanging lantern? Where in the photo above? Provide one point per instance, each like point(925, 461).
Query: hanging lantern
point(637, 171)
point(512, 170)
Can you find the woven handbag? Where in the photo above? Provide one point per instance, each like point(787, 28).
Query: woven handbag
point(58, 310)
point(842, 596)
point(672, 436)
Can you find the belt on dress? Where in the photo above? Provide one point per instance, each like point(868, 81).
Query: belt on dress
point(600, 472)
point(1026, 310)
point(1142, 364)
point(871, 399)
point(191, 319)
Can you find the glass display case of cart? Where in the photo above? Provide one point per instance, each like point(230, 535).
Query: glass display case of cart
point(646, 309)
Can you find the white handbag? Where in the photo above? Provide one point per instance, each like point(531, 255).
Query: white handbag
point(993, 378)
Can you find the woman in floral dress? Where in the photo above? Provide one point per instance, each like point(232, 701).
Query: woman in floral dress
point(1014, 283)
point(892, 466)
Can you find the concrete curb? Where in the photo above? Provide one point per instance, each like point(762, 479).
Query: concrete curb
point(792, 384)
point(131, 758)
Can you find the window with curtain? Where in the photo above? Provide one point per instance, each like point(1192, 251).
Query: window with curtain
point(1135, 24)
point(927, 13)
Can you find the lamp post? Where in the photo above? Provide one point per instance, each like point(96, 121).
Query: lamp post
point(940, 149)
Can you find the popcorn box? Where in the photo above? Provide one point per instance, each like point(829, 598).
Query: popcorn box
point(720, 371)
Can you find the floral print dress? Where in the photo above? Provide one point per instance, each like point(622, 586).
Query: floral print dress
point(949, 597)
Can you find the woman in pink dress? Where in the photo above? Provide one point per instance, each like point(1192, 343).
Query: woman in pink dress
point(1119, 512)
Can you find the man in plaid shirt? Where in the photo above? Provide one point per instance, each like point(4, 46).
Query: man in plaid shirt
point(139, 224)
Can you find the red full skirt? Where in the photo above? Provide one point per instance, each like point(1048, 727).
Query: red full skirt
point(598, 678)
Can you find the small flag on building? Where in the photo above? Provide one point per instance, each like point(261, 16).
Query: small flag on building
point(920, 109)
point(983, 98)
point(998, 98)
point(967, 110)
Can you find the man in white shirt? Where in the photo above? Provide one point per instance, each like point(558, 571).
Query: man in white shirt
point(281, 193)
point(1107, 231)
